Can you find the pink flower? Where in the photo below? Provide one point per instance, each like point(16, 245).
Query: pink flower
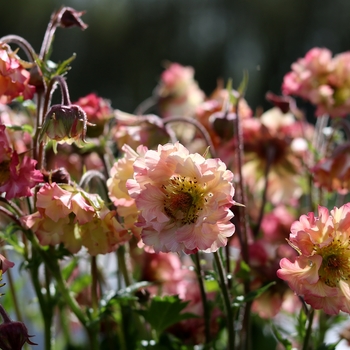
point(5, 264)
point(321, 80)
point(74, 217)
point(177, 92)
point(321, 271)
point(103, 234)
point(184, 200)
point(98, 111)
point(14, 79)
point(122, 171)
point(135, 130)
point(332, 173)
point(17, 173)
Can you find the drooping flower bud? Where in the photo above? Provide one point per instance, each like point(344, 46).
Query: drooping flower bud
point(223, 124)
point(71, 18)
point(65, 124)
point(13, 334)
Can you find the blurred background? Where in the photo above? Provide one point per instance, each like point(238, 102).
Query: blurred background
point(121, 54)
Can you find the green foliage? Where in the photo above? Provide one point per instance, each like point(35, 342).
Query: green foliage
point(242, 299)
point(51, 69)
point(164, 312)
point(9, 235)
point(332, 346)
point(25, 128)
point(284, 341)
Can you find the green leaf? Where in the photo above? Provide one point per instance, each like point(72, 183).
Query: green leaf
point(285, 342)
point(26, 128)
point(332, 346)
point(165, 311)
point(244, 83)
point(80, 283)
point(253, 294)
point(244, 271)
point(69, 268)
point(9, 235)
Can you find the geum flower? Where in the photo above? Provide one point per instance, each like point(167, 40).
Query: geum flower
point(75, 218)
point(122, 171)
point(183, 199)
point(321, 272)
point(14, 78)
point(17, 172)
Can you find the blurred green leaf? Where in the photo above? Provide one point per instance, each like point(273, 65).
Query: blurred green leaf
point(163, 312)
point(285, 342)
point(69, 268)
point(252, 295)
point(80, 283)
point(25, 128)
point(332, 346)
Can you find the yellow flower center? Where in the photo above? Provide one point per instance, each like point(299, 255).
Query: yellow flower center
point(184, 199)
point(336, 262)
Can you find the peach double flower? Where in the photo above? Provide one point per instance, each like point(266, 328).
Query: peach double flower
point(75, 218)
point(17, 172)
point(322, 80)
point(321, 272)
point(184, 200)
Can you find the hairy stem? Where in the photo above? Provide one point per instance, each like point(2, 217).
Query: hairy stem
point(227, 301)
point(206, 313)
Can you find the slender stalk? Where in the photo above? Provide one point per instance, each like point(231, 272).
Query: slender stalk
point(308, 330)
point(22, 43)
point(94, 284)
point(145, 105)
point(65, 325)
point(206, 313)
point(52, 264)
point(227, 301)
point(243, 224)
point(322, 327)
point(45, 307)
point(270, 155)
point(199, 126)
point(122, 266)
point(13, 293)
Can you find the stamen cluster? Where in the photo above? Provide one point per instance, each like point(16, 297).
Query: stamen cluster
point(183, 199)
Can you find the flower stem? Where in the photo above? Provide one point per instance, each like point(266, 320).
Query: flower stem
point(94, 284)
point(270, 155)
point(227, 302)
point(206, 313)
point(308, 330)
point(45, 307)
point(200, 128)
point(13, 293)
point(22, 43)
point(122, 266)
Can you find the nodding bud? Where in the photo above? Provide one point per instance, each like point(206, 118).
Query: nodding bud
point(71, 18)
point(60, 176)
point(65, 124)
point(223, 124)
point(13, 334)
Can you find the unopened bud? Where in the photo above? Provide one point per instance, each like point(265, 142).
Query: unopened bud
point(13, 334)
point(65, 124)
point(71, 18)
point(223, 124)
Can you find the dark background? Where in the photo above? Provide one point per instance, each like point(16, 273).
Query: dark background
point(120, 55)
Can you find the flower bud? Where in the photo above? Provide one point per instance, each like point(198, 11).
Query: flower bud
point(223, 124)
point(65, 124)
point(71, 18)
point(13, 334)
